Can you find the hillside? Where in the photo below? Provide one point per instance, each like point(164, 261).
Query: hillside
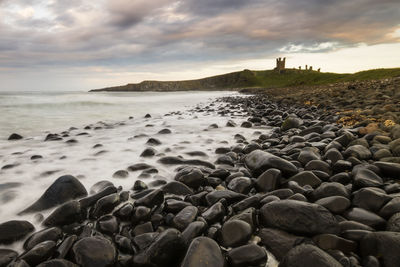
point(255, 79)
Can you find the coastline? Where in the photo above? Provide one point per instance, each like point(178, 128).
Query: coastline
point(288, 179)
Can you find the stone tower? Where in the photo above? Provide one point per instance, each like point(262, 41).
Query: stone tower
point(280, 64)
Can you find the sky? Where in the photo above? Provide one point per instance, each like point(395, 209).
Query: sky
point(86, 44)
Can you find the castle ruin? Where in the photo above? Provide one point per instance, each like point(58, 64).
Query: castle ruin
point(281, 62)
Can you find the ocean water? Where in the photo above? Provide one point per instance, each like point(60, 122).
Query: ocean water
point(32, 113)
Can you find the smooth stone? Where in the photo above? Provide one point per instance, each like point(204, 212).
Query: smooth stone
point(14, 230)
point(247, 255)
point(370, 198)
point(230, 196)
point(139, 185)
point(389, 168)
point(215, 213)
point(65, 214)
point(268, 180)
point(306, 178)
point(53, 234)
point(203, 252)
point(308, 255)
point(307, 154)
point(139, 167)
point(291, 122)
point(94, 252)
point(177, 188)
point(152, 199)
point(393, 223)
point(299, 217)
point(105, 205)
point(392, 207)
point(120, 174)
point(366, 178)
point(335, 204)
point(143, 228)
point(384, 245)
point(57, 263)
point(185, 217)
point(235, 233)
point(165, 131)
point(148, 152)
point(365, 217)
point(318, 165)
point(193, 230)
point(39, 253)
point(91, 200)
point(166, 250)
point(334, 242)
point(333, 155)
point(278, 242)
point(259, 161)
point(108, 224)
point(240, 185)
point(192, 177)
point(7, 256)
point(100, 186)
point(143, 241)
point(330, 189)
point(65, 188)
point(15, 136)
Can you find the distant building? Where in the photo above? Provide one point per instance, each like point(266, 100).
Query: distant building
point(280, 64)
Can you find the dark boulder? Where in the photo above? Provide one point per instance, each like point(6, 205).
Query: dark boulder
point(14, 230)
point(65, 214)
point(57, 263)
point(259, 161)
point(94, 252)
point(203, 252)
point(299, 217)
point(384, 245)
point(53, 234)
point(15, 136)
point(235, 233)
point(7, 256)
point(247, 255)
point(308, 255)
point(39, 253)
point(65, 188)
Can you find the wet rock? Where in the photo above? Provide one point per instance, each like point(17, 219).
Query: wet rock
point(235, 233)
point(308, 255)
point(148, 152)
point(330, 189)
point(393, 223)
point(215, 213)
point(298, 217)
point(231, 123)
point(105, 205)
point(318, 165)
point(335, 204)
point(247, 255)
point(57, 263)
point(307, 154)
point(191, 177)
point(277, 241)
point(152, 199)
point(165, 131)
point(90, 200)
point(94, 252)
point(259, 161)
point(389, 168)
point(65, 214)
point(370, 198)
point(240, 185)
point(291, 122)
point(139, 185)
point(246, 124)
point(139, 167)
point(15, 136)
point(52, 234)
point(365, 217)
point(153, 142)
point(120, 174)
point(203, 252)
point(177, 188)
point(39, 253)
point(185, 217)
point(358, 151)
point(384, 245)
point(166, 250)
point(334, 242)
point(192, 231)
point(65, 188)
point(100, 186)
point(392, 207)
point(14, 230)
point(365, 178)
point(7, 256)
point(143, 228)
point(306, 178)
point(268, 180)
point(230, 196)
point(108, 224)
point(225, 160)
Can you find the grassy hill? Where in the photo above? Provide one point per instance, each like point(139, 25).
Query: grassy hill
point(256, 79)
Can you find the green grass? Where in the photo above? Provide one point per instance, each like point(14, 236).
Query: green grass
point(258, 79)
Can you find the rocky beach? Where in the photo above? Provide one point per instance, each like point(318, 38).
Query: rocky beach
point(296, 178)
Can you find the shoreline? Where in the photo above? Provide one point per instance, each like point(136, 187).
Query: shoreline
point(307, 190)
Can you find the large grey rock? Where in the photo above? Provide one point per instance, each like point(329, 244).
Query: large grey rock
point(308, 255)
point(384, 245)
point(203, 252)
point(365, 217)
point(94, 252)
point(268, 180)
point(358, 151)
point(235, 233)
point(299, 217)
point(259, 161)
point(63, 189)
point(14, 230)
point(365, 178)
point(390, 169)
